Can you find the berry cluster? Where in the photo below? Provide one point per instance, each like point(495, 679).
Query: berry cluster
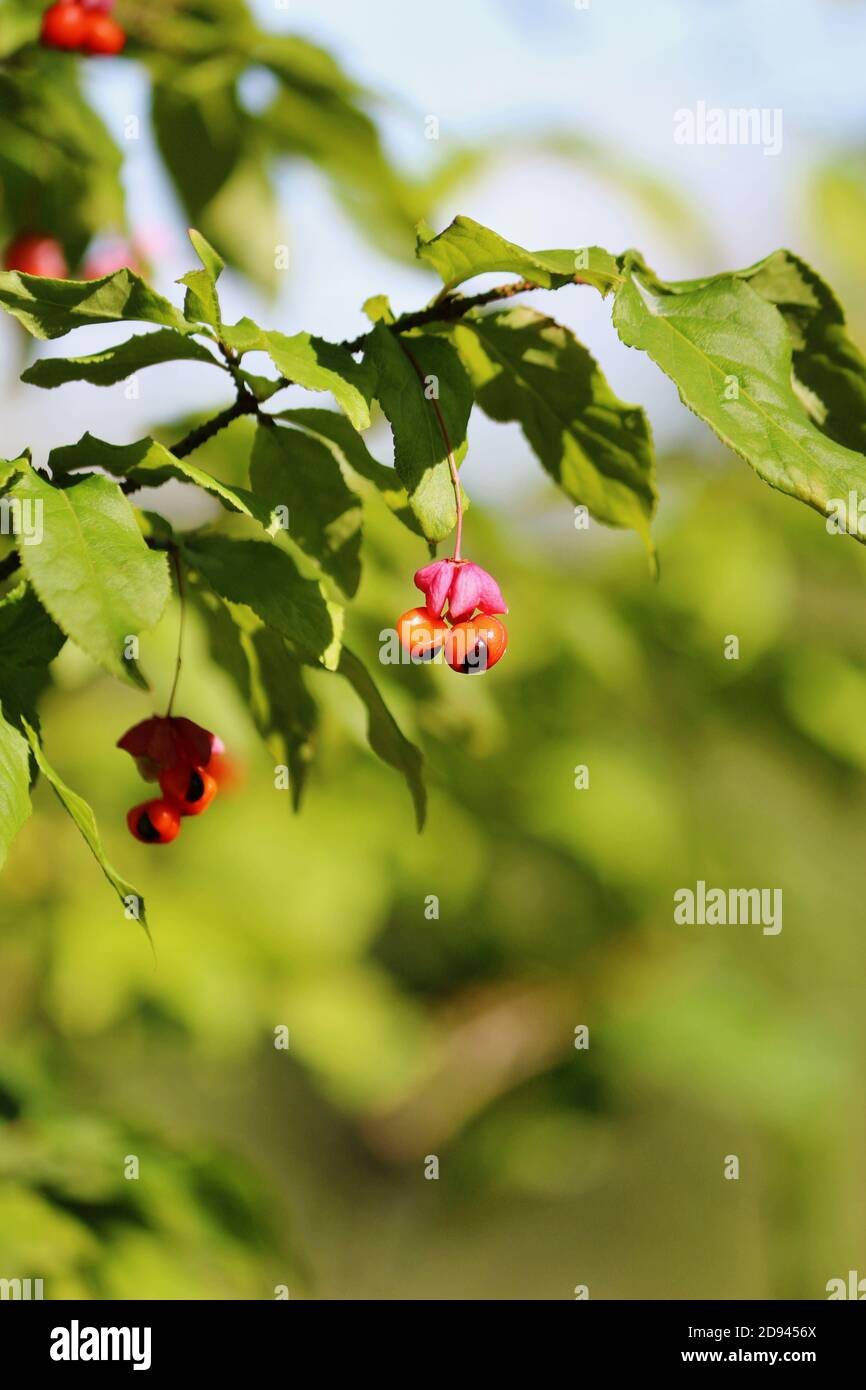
point(185, 760)
point(32, 253)
point(472, 636)
point(83, 26)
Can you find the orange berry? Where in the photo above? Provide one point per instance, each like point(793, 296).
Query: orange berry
point(64, 26)
point(103, 35)
point(474, 647)
point(154, 822)
point(421, 633)
point(191, 789)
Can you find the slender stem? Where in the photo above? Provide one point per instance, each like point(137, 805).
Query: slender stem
point(445, 308)
point(452, 464)
point(182, 596)
point(449, 306)
point(244, 405)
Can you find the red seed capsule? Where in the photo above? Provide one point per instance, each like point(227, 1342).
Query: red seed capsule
point(421, 633)
point(474, 647)
point(190, 789)
point(36, 255)
point(103, 35)
point(64, 26)
point(154, 822)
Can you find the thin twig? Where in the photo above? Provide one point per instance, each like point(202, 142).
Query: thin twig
point(453, 306)
point(244, 405)
point(182, 596)
point(445, 308)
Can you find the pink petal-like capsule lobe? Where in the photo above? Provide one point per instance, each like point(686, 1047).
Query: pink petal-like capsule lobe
point(161, 741)
point(434, 581)
point(491, 600)
point(474, 588)
point(464, 593)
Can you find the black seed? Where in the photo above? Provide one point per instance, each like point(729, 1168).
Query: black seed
point(146, 828)
point(476, 660)
point(195, 789)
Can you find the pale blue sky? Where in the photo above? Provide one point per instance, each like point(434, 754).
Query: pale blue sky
point(617, 70)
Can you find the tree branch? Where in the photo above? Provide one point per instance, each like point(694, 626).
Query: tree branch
point(446, 309)
point(245, 404)
point(451, 307)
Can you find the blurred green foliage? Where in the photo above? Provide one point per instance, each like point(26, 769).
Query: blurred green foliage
point(412, 1036)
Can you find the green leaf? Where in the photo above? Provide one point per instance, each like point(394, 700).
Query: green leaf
point(262, 387)
point(269, 680)
point(300, 63)
point(202, 303)
point(50, 308)
point(117, 363)
point(420, 453)
point(202, 102)
point(343, 142)
point(14, 785)
point(312, 363)
point(244, 217)
point(210, 258)
point(290, 468)
point(829, 370)
point(348, 446)
point(466, 249)
point(12, 469)
point(526, 367)
point(92, 570)
point(729, 353)
point(84, 818)
point(266, 579)
point(378, 309)
point(154, 527)
point(29, 642)
point(825, 359)
point(384, 734)
point(149, 464)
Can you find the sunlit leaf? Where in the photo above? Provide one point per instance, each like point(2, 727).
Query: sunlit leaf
point(51, 308)
point(466, 249)
point(289, 468)
point(312, 363)
point(84, 818)
point(384, 734)
point(149, 464)
point(267, 580)
point(730, 355)
point(117, 363)
point(14, 783)
point(413, 399)
point(91, 569)
point(526, 367)
point(29, 642)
